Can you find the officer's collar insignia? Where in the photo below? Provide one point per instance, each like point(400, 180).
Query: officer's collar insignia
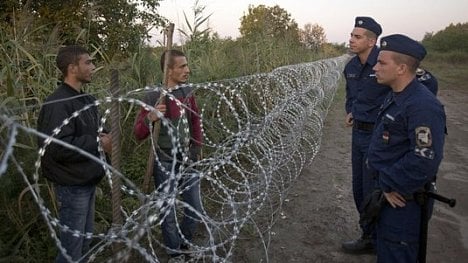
point(383, 44)
point(423, 136)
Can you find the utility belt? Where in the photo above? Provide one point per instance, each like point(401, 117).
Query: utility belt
point(420, 197)
point(363, 126)
point(374, 202)
point(430, 192)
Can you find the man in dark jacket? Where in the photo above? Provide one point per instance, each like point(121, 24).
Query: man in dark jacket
point(74, 175)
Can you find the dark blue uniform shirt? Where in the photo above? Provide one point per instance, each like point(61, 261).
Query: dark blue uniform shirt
point(364, 95)
point(407, 144)
point(428, 80)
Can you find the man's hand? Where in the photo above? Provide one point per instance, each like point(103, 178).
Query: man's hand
point(349, 120)
point(395, 199)
point(195, 153)
point(152, 117)
point(106, 142)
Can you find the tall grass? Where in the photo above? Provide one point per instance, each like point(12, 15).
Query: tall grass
point(450, 68)
point(29, 74)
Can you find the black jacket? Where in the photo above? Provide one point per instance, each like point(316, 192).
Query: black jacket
point(60, 164)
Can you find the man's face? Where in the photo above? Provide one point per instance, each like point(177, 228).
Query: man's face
point(359, 42)
point(85, 68)
point(180, 71)
point(386, 70)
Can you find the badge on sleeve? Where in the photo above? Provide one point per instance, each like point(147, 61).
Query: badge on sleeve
point(423, 136)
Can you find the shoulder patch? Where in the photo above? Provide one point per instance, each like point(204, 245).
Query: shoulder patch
point(423, 136)
point(427, 153)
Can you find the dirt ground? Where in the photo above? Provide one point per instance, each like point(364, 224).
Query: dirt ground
point(320, 213)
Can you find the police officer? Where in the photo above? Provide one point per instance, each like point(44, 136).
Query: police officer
point(428, 80)
point(364, 96)
point(406, 147)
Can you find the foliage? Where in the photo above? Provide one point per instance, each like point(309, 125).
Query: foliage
point(197, 40)
point(262, 22)
point(452, 38)
point(449, 68)
point(313, 36)
point(455, 57)
point(28, 44)
point(194, 34)
point(114, 25)
point(333, 49)
point(28, 47)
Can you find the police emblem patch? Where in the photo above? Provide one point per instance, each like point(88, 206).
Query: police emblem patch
point(423, 136)
point(424, 152)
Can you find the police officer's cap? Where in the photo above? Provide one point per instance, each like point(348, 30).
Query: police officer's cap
point(404, 45)
point(369, 24)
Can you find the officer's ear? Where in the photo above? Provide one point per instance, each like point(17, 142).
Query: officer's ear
point(372, 41)
point(402, 68)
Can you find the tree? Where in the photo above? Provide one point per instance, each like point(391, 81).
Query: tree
point(313, 36)
point(454, 37)
point(115, 25)
point(268, 22)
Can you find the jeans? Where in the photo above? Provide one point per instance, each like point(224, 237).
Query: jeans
point(76, 211)
point(166, 182)
point(363, 181)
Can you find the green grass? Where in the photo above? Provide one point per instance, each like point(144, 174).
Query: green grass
point(451, 73)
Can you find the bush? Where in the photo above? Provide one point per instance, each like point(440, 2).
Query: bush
point(452, 38)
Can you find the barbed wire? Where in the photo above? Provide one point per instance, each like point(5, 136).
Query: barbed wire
point(259, 132)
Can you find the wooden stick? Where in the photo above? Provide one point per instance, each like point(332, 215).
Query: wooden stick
point(157, 125)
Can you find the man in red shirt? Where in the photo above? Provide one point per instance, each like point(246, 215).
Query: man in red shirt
point(178, 146)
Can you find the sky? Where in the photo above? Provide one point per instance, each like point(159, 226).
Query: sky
point(410, 17)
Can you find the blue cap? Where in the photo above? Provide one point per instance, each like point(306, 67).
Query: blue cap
point(369, 24)
point(404, 45)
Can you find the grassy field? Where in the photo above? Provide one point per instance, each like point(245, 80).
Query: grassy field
point(450, 69)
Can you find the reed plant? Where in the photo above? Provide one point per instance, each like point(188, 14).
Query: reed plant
point(28, 74)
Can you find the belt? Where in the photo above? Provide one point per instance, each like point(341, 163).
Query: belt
point(364, 126)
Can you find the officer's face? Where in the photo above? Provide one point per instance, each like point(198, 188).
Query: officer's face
point(359, 42)
point(386, 70)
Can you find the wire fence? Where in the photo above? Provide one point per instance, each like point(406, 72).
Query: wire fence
point(259, 132)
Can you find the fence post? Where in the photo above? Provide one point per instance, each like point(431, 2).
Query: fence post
point(116, 157)
point(157, 125)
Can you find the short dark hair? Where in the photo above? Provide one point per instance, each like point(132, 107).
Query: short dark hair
point(172, 54)
point(410, 61)
point(370, 34)
point(69, 55)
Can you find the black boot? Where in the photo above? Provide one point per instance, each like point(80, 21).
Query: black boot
point(363, 245)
